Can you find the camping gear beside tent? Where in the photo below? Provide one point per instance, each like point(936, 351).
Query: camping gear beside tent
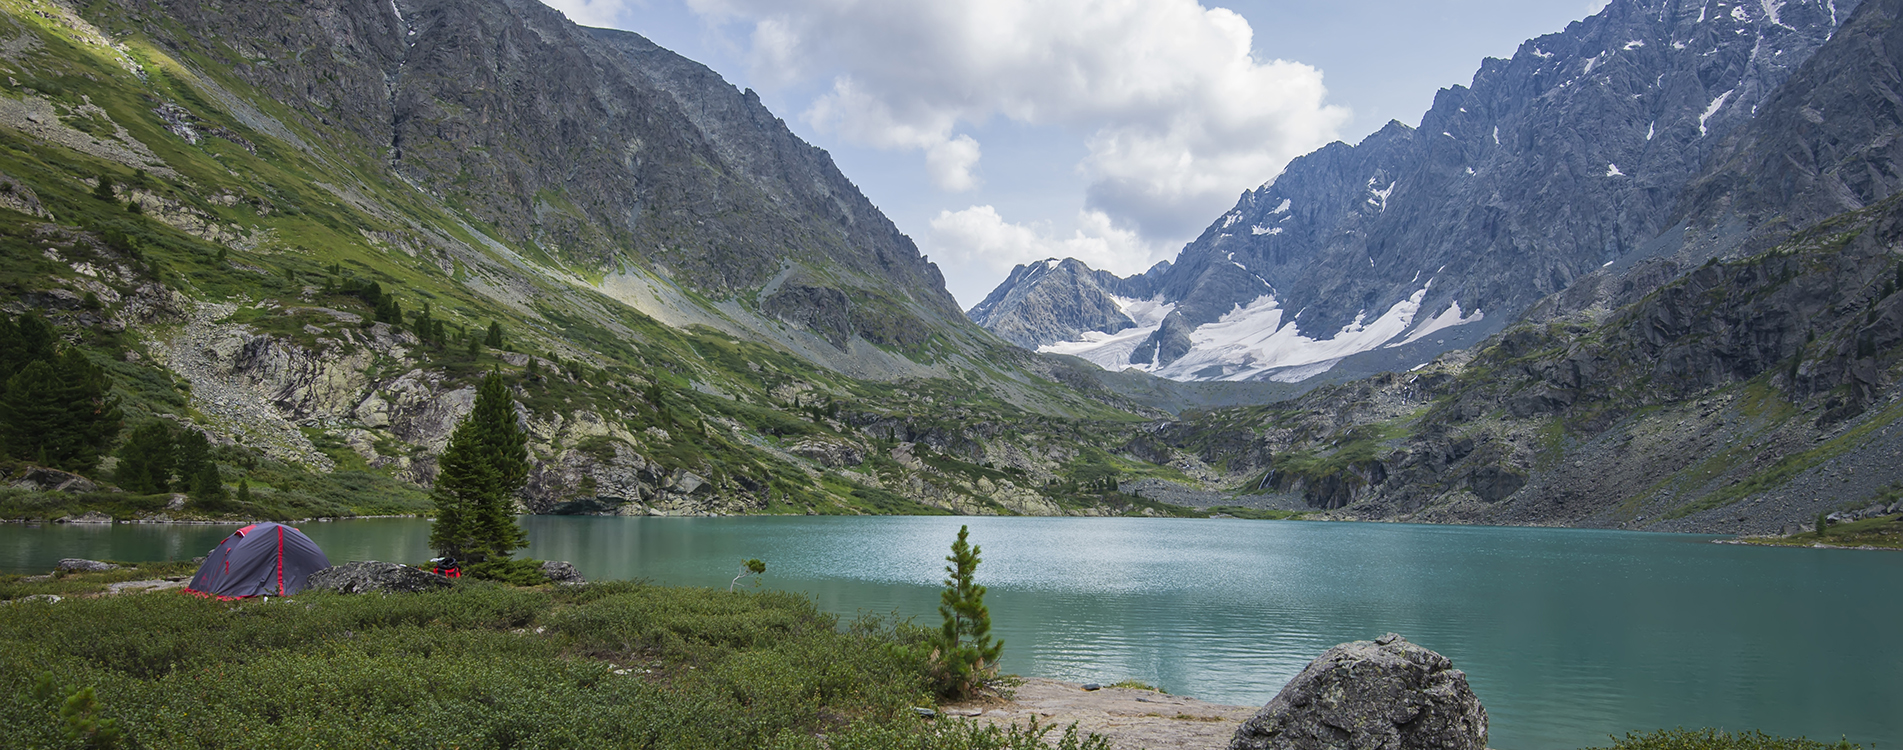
point(263, 559)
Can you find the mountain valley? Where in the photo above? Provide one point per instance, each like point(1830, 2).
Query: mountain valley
point(1642, 275)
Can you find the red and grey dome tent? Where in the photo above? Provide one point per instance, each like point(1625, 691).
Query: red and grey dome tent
point(263, 559)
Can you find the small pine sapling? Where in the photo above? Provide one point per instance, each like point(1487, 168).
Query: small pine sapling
point(964, 647)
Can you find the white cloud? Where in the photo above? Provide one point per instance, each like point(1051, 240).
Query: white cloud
point(599, 13)
point(1176, 114)
point(950, 163)
point(979, 236)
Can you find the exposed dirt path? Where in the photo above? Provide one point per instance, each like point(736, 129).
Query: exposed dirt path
point(1131, 719)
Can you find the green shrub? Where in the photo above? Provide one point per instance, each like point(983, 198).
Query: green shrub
point(1717, 739)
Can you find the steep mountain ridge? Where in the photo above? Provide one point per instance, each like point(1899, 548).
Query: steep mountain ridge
point(1566, 158)
point(593, 147)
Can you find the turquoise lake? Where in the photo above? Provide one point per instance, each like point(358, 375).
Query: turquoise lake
point(1566, 635)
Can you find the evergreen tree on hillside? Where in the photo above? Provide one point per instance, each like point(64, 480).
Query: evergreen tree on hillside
point(58, 411)
point(478, 474)
point(494, 339)
point(192, 463)
point(965, 649)
point(146, 460)
point(29, 339)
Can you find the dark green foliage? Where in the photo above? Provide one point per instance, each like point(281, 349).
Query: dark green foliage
point(1822, 524)
point(1718, 739)
point(84, 724)
point(494, 338)
point(207, 486)
point(388, 310)
point(103, 190)
point(514, 572)
point(244, 492)
point(59, 412)
point(146, 460)
point(486, 462)
point(30, 339)
point(966, 653)
point(191, 455)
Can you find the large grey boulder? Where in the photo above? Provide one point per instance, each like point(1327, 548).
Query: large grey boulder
point(1384, 694)
point(561, 571)
point(359, 577)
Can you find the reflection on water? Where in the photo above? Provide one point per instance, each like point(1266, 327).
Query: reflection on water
point(1566, 635)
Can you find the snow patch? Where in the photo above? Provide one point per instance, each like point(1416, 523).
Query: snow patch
point(1261, 230)
point(1651, 129)
point(1771, 8)
point(1253, 341)
point(1447, 318)
point(1737, 12)
point(1231, 219)
point(1281, 209)
point(1634, 44)
point(1470, 170)
point(1678, 45)
point(1051, 264)
point(1612, 170)
point(1712, 109)
point(1380, 197)
point(1542, 54)
point(1112, 351)
point(1496, 135)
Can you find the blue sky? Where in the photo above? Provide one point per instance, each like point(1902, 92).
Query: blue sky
point(997, 132)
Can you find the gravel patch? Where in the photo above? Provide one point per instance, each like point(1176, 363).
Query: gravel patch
point(1131, 719)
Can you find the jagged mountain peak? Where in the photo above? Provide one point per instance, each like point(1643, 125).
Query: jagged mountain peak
point(1563, 159)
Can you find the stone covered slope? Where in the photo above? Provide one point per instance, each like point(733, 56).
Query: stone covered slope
point(1566, 157)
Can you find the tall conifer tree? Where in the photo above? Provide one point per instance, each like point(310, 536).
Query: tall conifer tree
point(478, 474)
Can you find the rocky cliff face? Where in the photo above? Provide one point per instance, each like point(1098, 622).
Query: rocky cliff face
point(591, 146)
point(1059, 300)
point(1568, 157)
point(1831, 141)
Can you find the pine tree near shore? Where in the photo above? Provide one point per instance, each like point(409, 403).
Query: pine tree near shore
point(478, 474)
point(964, 643)
point(57, 411)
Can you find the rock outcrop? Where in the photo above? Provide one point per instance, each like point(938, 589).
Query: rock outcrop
point(77, 565)
point(42, 479)
point(362, 577)
point(1384, 694)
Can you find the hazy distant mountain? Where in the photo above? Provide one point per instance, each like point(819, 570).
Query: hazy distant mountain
point(1567, 158)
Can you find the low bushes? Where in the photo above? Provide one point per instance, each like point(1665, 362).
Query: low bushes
point(482, 665)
